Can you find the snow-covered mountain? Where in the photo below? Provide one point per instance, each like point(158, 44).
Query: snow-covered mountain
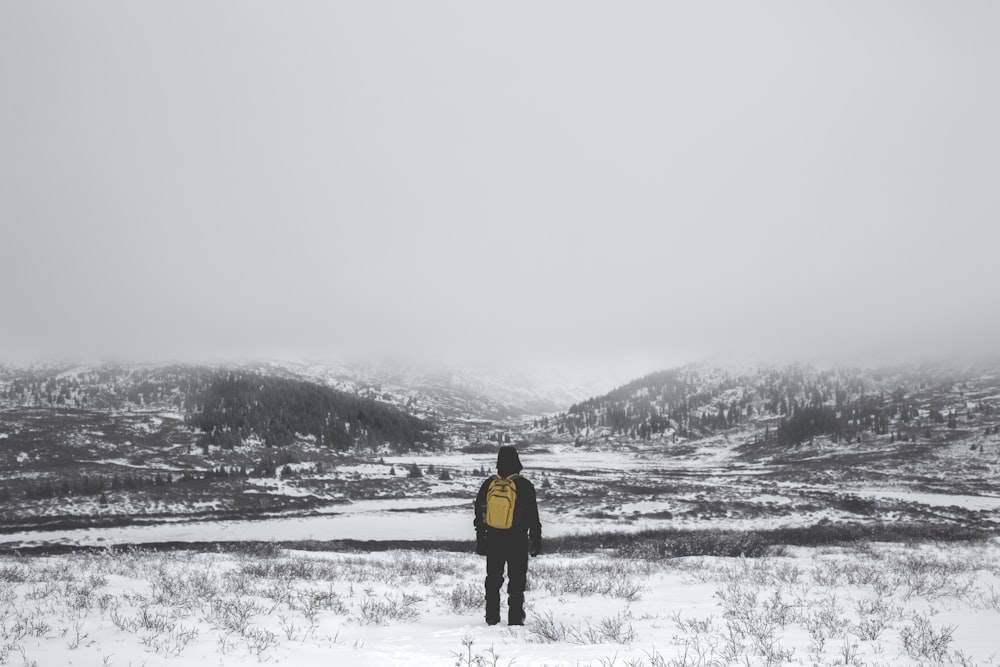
point(433, 392)
point(782, 407)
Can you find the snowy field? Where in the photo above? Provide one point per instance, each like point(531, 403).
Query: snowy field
point(580, 491)
point(873, 605)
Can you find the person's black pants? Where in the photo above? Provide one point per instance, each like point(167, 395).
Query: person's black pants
point(512, 554)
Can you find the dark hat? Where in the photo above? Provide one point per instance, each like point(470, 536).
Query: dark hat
point(508, 462)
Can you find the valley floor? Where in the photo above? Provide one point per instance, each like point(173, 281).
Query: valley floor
point(586, 489)
point(869, 604)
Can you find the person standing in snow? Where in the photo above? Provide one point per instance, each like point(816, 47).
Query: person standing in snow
point(507, 531)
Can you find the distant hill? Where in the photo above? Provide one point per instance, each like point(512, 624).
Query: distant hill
point(375, 406)
point(791, 404)
point(228, 406)
point(238, 405)
point(434, 393)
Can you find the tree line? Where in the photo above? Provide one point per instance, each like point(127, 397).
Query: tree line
point(238, 405)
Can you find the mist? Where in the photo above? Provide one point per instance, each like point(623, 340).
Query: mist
point(616, 187)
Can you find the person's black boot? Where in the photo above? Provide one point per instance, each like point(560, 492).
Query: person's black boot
point(515, 608)
point(492, 611)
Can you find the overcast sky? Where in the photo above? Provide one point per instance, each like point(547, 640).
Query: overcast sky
point(616, 185)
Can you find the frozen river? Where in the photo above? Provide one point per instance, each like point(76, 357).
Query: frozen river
point(432, 519)
point(429, 519)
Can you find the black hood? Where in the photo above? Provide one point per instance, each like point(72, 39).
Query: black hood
point(508, 462)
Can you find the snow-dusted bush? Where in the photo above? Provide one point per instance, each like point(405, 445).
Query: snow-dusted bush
point(870, 604)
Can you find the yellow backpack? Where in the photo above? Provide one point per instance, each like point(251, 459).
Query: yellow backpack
point(500, 499)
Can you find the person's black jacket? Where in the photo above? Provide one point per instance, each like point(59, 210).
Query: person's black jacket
point(526, 526)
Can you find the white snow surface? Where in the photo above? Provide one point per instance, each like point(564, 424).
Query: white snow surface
point(424, 609)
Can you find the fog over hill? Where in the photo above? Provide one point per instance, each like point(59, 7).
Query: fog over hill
point(628, 188)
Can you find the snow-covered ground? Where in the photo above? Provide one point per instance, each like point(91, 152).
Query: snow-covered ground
point(434, 518)
point(581, 490)
point(870, 605)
